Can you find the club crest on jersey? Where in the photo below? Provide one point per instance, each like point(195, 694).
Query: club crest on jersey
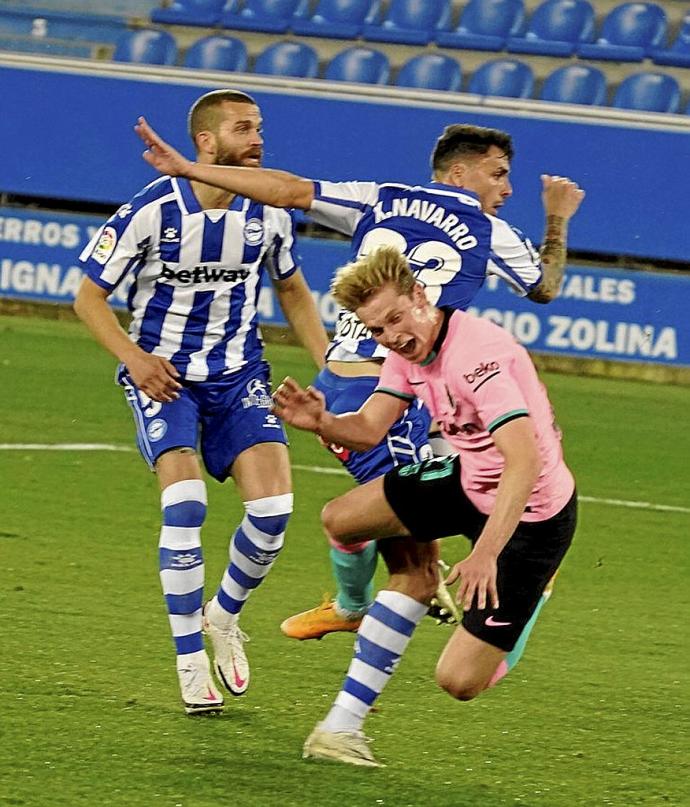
point(105, 246)
point(254, 232)
point(257, 395)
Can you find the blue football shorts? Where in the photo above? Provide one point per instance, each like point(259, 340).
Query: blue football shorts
point(406, 442)
point(222, 418)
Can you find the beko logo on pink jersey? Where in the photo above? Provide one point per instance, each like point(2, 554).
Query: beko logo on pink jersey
point(479, 372)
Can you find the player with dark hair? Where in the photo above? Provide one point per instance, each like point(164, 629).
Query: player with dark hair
point(449, 232)
point(193, 373)
point(507, 489)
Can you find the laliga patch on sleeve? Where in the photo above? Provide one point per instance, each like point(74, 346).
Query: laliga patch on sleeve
point(105, 246)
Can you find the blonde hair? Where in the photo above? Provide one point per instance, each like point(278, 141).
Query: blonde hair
point(355, 283)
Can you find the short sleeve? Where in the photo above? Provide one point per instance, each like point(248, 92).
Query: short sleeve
point(126, 239)
point(394, 378)
point(341, 205)
point(282, 259)
point(492, 386)
point(513, 258)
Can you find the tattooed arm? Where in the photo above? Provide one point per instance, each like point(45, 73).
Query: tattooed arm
point(561, 197)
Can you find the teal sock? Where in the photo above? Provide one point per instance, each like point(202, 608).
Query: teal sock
point(516, 653)
point(354, 574)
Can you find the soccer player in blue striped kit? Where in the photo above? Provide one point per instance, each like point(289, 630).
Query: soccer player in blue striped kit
point(194, 376)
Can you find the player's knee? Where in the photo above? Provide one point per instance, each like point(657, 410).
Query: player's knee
point(333, 524)
point(458, 686)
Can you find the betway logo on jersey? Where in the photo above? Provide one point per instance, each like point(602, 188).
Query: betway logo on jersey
point(204, 274)
point(483, 371)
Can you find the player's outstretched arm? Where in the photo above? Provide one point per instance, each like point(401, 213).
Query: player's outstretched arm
point(561, 198)
point(306, 409)
point(265, 185)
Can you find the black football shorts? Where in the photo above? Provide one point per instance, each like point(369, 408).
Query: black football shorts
point(429, 500)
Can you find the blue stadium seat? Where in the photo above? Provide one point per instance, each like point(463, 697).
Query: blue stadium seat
point(288, 59)
point(359, 65)
point(272, 16)
point(430, 71)
point(630, 32)
point(678, 54)
point(189, 12)
point(146, 46)
point(410, 22)
point(339, 19)
point(485, 25)
point(508, 78)
point(556, 28)
point(217, 53)
point(575, 84)
point(648, 92)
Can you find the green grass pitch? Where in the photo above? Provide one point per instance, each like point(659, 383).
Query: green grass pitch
point(595, 714)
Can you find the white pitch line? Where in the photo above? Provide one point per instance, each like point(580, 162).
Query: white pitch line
point(63, 447)
point(668, 508)
point(665, 508)
point(316, 469)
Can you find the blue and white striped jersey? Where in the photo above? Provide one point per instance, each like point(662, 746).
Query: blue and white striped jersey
point(195, 274)
point(450, 243)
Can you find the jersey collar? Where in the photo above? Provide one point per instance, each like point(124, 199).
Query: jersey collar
point(454, 189)
point(189, 200)
point(191, 203)
point(438, 343)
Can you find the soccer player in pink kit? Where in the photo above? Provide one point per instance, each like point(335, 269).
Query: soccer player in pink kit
point(507, 489)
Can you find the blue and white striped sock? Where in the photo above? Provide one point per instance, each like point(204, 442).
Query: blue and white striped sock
point(381, 640)
point(253, 549)
point(181, 563)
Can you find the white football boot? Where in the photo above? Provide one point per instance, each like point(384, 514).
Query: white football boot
point(230, 660)
point(340, 746)
point(199, 692)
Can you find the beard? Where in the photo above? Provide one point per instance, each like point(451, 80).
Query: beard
point(243, 159)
